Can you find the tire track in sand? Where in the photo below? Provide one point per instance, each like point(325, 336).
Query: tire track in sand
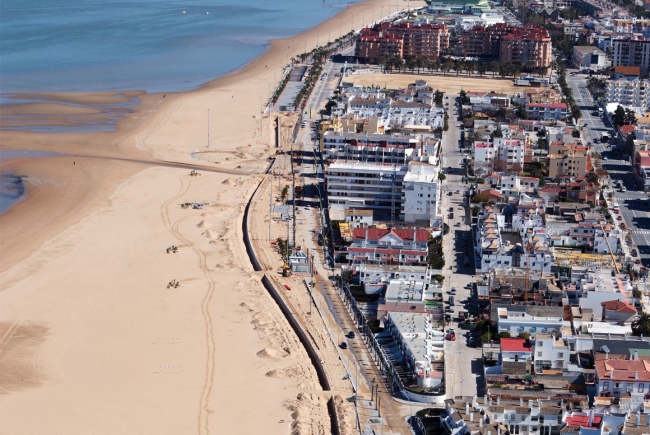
point(204, 402)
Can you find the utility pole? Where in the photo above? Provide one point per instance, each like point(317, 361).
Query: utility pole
point(270, 205)
point(208, 129)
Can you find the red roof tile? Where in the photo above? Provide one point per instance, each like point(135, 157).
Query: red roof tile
point(627, 129)
point(404, 234)
point(618, 306)
point(583, 420)
point(515, 345)
point(623, 370)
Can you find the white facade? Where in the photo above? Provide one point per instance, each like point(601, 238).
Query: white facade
point(420, 345)
point(420, 193)
point(364, 185)
point(467, 22)
point(550, 353)
point(516, 322)
point(510, 150)
point(628, 92)
point(589, 57)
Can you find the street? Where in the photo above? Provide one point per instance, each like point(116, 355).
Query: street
point(631, 203)
point(463, 363)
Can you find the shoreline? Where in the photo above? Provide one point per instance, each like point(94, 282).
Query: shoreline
point(85, 271)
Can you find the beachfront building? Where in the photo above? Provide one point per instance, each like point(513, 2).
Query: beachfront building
point(631, 51)
point(508, 43)
point(421, 348)
point(629, 92)
point(391, 189)
point(378, 148)
point(375, 277)
point(402, 39)
point(389, 247)
point(421, 193)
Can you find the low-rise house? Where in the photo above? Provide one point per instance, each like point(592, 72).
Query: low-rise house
point(550, 353)
point(618, 311)
point(627, 380)
point(516, 319)
point(359, 218)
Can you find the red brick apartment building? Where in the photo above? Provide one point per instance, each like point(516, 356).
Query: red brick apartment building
point(508, 44)
point(403, 39)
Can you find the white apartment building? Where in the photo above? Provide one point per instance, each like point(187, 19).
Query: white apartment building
point(373, 185)
point(547, 112)
point(422, 347)
point(411, 192)
point(420, 193)
point(631, 51)
point(379, 148)
point(550, 353)
point(495, 253)
point(377, 276)
point(629, 92)
point(631, 25)
point(507, 151)
point(530, 318)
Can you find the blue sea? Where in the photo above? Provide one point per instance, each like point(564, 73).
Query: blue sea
point(151, 45)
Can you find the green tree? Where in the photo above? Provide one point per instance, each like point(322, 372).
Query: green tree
point(384, 62)
point(504, 334)
point(421, 62)
point(630, 117)
point(411, 63)
point(285, 193)
point(442, 176)
point(495, 67)
point(498, 132)
point(329, 105)
point(524, 335)
point(482, 68)
point(619, 116)
point(641, 326)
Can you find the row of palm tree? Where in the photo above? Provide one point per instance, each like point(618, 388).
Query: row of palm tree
point(459, 66)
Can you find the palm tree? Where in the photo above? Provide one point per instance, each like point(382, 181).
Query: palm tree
point(421, 62)
point(411, 63)
point(482, 68)
point(471, 67)
point(641, 326)
point(495, 67)
point(384, 61)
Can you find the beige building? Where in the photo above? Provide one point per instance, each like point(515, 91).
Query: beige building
point(568, 160)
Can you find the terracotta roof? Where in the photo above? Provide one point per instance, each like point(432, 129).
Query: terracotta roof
point(618, 306)
point(583, 420)
point(628, 70)
point(623, 370)
point(515, 345)
point(404, 234)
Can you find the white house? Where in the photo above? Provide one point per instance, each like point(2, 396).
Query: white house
point(359, 218)
point(550, 352)
point(554, 111)
point(420, 193)
point(630, 92)
point(530, 318)
point(516, 350)
point(624, 378)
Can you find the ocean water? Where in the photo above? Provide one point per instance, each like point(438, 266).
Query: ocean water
point(151, 45)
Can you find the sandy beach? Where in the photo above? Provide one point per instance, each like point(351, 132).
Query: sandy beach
point(94, 339)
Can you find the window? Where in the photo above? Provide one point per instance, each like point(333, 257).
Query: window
point(641, 387)
point(605, 386)
point(539, 354)
point(560, 354)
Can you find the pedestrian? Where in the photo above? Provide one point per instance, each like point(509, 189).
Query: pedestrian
point(73, 162)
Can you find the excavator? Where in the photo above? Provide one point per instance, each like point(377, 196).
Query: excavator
point(286, 270)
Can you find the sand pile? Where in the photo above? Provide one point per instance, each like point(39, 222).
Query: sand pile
point(309, 413)
point(296, 371)
point(229, 182)
point(269, 352)
point(204, 224)
point(210, 234)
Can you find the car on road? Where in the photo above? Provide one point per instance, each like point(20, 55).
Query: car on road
point(451, 209)
point(620, 218)
point(447, 318)
point(623, 189)
point(344, 345)
point(451, 300)
point(453, 291)
point(634, 253)
point(451, 308)
point(623, 226)
point(457, 224)
point(471, 341)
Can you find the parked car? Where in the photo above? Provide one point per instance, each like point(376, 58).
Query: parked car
point(620, 218)
point(344, 345)
point(634, 253)
point(471, 341)
point(451, 300)
point(457, 224)
point(350, 334)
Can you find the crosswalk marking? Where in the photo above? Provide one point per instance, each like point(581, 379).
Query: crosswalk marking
point(641, 231)
point(630, 198)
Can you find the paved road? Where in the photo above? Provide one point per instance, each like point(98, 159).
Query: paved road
point(463, 362)
point(595, 125)
point(632, 202)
